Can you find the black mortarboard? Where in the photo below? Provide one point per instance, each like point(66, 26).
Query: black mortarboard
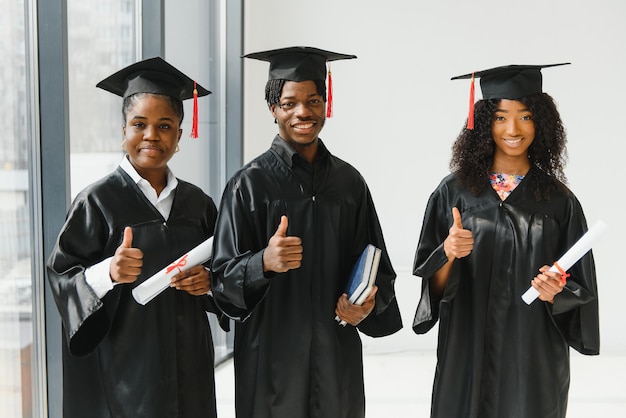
point(156, 76)
point(510, 81)
point(298, 63)
point(507, 82)
point(153, 75)
point(301, 63)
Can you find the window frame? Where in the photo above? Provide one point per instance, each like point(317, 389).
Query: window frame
point(49, 146)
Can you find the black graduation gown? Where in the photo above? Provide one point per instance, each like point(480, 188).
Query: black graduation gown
point(122, 359)
point(292, 359)
point(497, 356)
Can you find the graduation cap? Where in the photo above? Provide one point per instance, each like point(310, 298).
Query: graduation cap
point(301, 63)
point(506, 82)
point(155, 76)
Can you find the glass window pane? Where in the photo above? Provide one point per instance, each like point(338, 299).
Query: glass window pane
point(101, 40)
point(16, 336)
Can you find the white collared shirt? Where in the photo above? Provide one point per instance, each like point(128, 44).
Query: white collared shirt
point(98, 276)
point(162, 202)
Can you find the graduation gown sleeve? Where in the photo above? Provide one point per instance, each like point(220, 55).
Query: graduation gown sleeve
point(84, 241)
point(385, 319)
point(239, 282)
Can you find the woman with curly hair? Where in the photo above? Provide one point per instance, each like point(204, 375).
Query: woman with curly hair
point(492, 228)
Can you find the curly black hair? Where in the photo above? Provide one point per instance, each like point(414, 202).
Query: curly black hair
point(473, 150)
point(274, 88)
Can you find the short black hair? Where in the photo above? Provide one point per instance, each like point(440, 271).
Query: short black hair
point(274, 88)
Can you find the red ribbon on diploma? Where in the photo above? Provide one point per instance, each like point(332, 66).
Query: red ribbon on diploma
point(564, 274)
point(178, 264)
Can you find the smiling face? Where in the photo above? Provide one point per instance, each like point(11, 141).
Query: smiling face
point(513, 131)
point(300, 114)
point(152, 131)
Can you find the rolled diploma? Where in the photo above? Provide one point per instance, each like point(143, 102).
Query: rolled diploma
point(572, 255)
point(160, 281)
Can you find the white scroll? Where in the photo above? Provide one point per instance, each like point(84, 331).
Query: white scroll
point(575, 253)
point(160, 281)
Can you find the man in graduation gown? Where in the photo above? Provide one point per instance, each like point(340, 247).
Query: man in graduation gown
point(498, 356)
point(120, 358)
point(292, 223)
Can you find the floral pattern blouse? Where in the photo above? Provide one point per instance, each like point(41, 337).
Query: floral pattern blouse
point(504, 184)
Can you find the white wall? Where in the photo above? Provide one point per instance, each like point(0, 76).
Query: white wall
point(397, 112)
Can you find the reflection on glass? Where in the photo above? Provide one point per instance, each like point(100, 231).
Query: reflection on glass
point(101, 40)
point(16, 336)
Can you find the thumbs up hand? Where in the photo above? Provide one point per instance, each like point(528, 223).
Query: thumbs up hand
point(282, 253)
point(459, 242)
point(127, 261)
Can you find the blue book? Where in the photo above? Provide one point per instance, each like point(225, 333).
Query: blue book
point(363, 275)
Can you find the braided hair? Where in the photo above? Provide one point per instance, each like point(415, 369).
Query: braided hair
point(274, 88)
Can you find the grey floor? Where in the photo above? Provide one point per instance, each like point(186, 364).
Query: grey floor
point(399, 370)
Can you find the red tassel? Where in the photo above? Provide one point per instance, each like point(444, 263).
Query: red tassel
point(470, 116)
point(329, 94)
point(194, 121)
point(564, 274)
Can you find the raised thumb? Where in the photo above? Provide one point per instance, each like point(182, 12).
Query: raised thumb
point(456, 216)
point(127, 242)
point(282, 228)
